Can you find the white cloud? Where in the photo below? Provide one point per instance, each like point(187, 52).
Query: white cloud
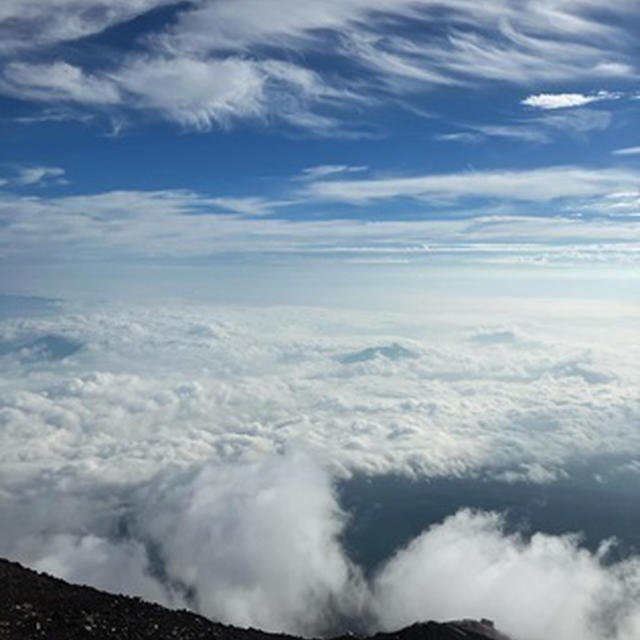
point(38, 174)
point(535, 185)
point(539, 129)
point(247, 387)
point(627, 151)
point(194, 92)
point(270, 557)
point(499, 40)
point(259, 545)
point(119, 567)
point(323, 170)
point(543, 588)
point(57, 81)
point(566, 100)
point(524, 132)
point(160, 443)
point(178, 223)
point(33, 175)
point(460, 136)
point(577, 121)
point(209, 67)
point(32, 24)
point(248, 206)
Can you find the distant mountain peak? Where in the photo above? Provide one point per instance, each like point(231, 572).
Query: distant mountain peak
point(393, 351)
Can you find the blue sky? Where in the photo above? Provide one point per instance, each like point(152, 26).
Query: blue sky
point(415, 131)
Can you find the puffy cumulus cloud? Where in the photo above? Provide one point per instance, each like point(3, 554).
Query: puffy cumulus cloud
point(191, 385)
point(249, 544)
point(565, 100)
point(190, 454)
point(206, 92)
point(195, 92)
point(260, 545)
point(120, 567)
point(267, 541)
point(543, 587)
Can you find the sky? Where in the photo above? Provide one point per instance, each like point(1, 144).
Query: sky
point(415, 131)
point(252, 250)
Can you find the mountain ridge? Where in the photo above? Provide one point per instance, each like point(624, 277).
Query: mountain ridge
point(37, 605)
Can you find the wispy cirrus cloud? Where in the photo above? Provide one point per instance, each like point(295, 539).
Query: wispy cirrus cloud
point(217, 63)
point(195, 93)
point(58, 81)
point(37, 175)
point(526, 32)
point(627, 151)
point(35, 24)
point(180, 223)
point(541, 185)
point(251, 206)
point(460, 136)
point(542, 129)
point(34, 175)
point(324, 170)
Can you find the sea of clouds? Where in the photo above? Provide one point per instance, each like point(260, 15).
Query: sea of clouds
point(190, 454)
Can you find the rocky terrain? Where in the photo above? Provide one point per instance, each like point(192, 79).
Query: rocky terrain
point(36, 605)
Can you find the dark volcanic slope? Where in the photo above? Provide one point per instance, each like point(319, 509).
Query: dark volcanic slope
point(35, 605)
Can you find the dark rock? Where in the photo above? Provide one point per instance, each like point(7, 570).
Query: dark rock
point(35, 605)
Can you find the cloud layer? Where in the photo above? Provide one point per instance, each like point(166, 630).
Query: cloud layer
point(553, 214)
point(191, 455)
point(259, 545)
point(245, 388)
